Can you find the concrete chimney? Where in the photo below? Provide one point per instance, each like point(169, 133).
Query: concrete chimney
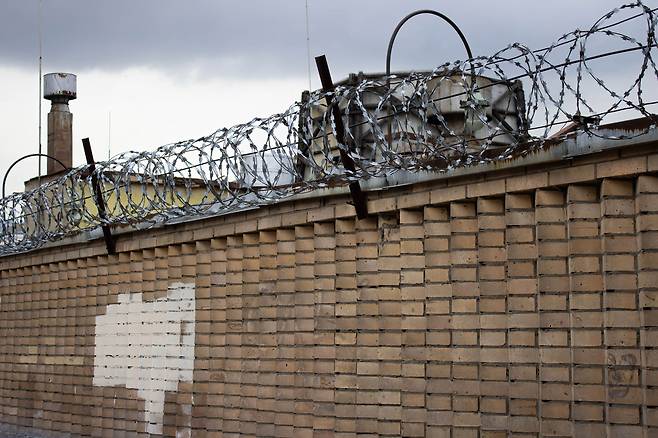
point(59, 88)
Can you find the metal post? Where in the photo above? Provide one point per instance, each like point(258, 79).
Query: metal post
point(100, 204)
point(358, 197)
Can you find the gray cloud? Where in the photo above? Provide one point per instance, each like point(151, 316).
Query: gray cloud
point(260, 38)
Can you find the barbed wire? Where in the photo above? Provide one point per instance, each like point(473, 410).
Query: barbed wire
point(432, 121)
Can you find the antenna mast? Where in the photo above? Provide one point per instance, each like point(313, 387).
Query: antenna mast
point(109, 134)
point(308, 48)
point(39, 96)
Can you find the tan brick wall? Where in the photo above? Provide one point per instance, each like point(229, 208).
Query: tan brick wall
point(524, 306)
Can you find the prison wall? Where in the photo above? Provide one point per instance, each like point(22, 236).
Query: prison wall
point(512, 303)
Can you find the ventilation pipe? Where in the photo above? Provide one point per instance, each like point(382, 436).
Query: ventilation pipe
point(59, 88)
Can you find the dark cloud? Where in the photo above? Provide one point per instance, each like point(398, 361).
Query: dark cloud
point(260, 38)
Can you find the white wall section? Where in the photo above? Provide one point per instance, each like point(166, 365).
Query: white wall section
point(148, 346)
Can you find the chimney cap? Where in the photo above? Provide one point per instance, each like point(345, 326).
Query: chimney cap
point(59, 86)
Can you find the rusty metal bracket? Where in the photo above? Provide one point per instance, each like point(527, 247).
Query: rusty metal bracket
point(100, 204)
point(358, 197)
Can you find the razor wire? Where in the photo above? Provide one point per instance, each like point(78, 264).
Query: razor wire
point(428, 121)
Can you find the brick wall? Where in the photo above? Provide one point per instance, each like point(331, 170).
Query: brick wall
point(517, 304)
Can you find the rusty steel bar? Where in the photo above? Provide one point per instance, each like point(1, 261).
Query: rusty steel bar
point(110, 243)
point(358, 197)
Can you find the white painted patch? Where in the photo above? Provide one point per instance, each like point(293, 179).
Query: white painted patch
point(148, 346)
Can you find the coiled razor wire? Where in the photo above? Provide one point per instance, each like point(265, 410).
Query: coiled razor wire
point(432, 121)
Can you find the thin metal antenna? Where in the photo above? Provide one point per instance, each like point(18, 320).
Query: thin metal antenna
point(40, 85)
point(109, 135)
point(308, 49)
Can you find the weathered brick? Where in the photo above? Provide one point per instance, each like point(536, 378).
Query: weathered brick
point(627, 166)
point(445, 195)
point(526, 182)
point(486, 188)
point(572, 174)
point(616, 187)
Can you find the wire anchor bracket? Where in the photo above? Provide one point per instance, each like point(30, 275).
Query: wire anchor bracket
point(358, 196)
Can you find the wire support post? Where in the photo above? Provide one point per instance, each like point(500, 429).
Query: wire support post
point(358, 196)
point(110, 242)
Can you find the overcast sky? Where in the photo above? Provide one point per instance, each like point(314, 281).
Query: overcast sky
point(171, 70)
